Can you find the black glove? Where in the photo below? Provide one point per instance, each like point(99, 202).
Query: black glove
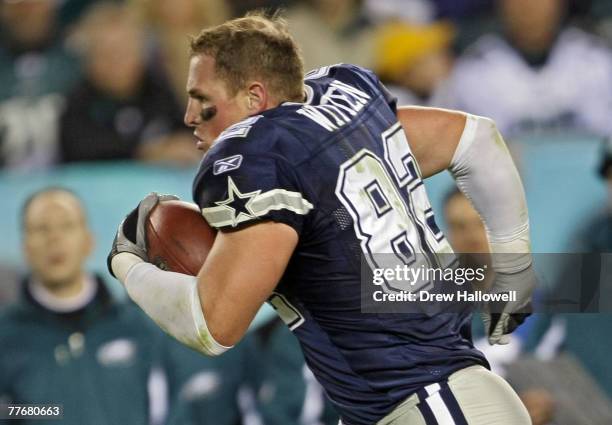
point(130, 235)
point(502, 318)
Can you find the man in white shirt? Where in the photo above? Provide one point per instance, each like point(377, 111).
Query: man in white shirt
point(538, 77)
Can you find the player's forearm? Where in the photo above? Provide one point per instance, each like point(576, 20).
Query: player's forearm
point(486, 174)
point(170, 299)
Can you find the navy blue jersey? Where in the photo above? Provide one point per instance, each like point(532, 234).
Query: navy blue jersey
point(338, 169)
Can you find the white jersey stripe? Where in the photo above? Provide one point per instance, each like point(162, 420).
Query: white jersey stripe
point(438, 407)
point(259, 204)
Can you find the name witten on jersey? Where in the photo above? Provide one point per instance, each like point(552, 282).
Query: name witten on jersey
point(337, 106)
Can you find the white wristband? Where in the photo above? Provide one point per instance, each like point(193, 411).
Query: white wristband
point(172, 301)
point(122, 263)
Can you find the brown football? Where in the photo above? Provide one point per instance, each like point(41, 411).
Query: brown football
point(178, 237)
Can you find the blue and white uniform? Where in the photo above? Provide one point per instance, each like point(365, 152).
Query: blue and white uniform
point(338, 170)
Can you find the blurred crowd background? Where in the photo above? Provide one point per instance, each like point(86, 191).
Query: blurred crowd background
point(92, 98)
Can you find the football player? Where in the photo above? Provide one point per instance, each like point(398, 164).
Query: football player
point(305, 176)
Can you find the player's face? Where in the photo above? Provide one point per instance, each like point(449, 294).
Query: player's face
point(211, 108)
point(57, 241)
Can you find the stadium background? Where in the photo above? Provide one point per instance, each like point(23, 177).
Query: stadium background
point(51, 74)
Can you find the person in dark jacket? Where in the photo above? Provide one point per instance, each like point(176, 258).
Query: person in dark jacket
point(123, 108)
point(69, 341)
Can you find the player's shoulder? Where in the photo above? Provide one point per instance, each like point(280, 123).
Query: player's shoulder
point(253, 175)
point(259, 135)
point(343, 73)
point(258, 146)
point(346, 70)
point(241, 130)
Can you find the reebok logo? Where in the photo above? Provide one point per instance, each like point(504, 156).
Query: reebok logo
point(227, 164)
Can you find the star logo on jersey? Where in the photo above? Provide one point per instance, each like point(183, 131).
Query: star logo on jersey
point(239, 203)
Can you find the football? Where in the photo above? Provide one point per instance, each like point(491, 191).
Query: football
point(178, 237)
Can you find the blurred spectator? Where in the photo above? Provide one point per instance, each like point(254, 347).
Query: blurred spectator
point(540, 405)
point(601, 12)
point(425, 11)
point(466, 233)
point(172, 23)
point(332, 31)
point(68, 341)
point(122, 108)
point(538, 76)
point(9, 287)
point(457, 9)
point(289, 394)
point(413, 60)
point(468, 238)
point(583, 334)
point(35, 73)
point(240, 7)
point(70, 11)
point(211, 390)
point(472, 18)
point(598, 236)
point(415, 12)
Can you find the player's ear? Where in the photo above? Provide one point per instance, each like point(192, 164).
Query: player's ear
point(257, 97)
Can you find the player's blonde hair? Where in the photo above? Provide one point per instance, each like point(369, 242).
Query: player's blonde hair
point(254, 47)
